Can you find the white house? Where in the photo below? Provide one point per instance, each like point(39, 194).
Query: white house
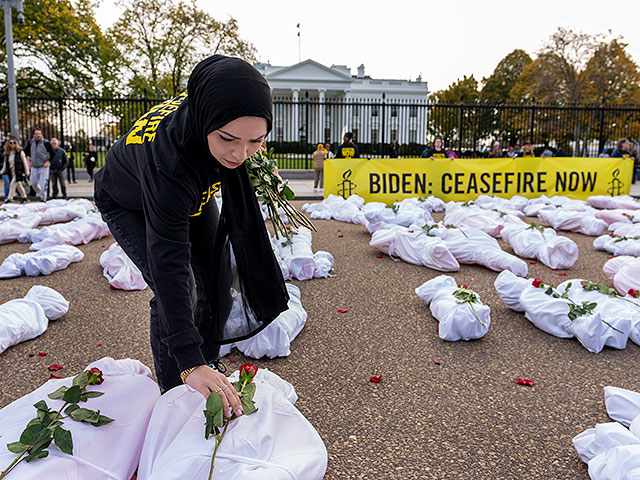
point(311, 99)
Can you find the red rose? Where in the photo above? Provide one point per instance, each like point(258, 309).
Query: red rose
point(436, 362)
point(248, 369)
point(376, 379)
point(55, 367)
point(95, 376)
point(42, 354)
point(533, 263)
point(380, 256)
point(537, 282)
point(340, 236)
point(562, 274)
point(53, 375)
point(524, 381)
point(634, 293)
point(32, 354)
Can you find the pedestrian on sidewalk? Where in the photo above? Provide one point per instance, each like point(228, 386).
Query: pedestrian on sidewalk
point(6, 180)
point(71, 168)
point(16, 168)
point(156, 194)
point(58, 165)
point(39, 155)
point(90, 160)
point(319, 157)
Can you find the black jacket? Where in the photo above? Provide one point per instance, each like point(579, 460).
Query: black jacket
point(59, 160)
point(347, 150)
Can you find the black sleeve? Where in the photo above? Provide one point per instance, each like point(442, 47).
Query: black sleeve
point(65, 161)
point(27, 149)
point(339, 152)
point(357, 153)
point(52, 152)
point(167, 202)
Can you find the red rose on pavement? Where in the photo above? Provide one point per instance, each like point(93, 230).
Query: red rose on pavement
point(340, 236)
point(537, 282)
point(42, 354)
point(32, 354)
point(562, 274)
point(376, 379)
point(231, 360)
point(462, 285)
point(609, 256)
point(436, 362)
point(634, 293)
point(524, 381)
point(95, 376)
point(380, 256)
point(248, 369)
point(99, 344)
point(533, 263)
point(342, 310)
point(53, 375)
point(55, 367)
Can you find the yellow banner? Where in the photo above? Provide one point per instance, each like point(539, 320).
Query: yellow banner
point(391, 179)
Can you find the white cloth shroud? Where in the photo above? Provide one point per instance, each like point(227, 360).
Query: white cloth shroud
point(82, 230)
point(120, 270)
point(547, 246)
point(617, 245)
point(580, 221)
point(299, 259)
point(27, 318)
point(611, 450)
point(275, 339)
point(42, 262)
point(594, 331)
point(625, 272)
point(109, 452)
point(414, 246)
point(275, 442)
point(618, 202)
point(12, 227)
point(457, 321)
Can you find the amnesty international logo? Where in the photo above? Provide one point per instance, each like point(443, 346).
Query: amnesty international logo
point(346, 187)
point(616, 184)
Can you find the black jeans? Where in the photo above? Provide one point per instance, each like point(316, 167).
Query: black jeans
point(55, 177)
point(129, 227)
point(71, 171)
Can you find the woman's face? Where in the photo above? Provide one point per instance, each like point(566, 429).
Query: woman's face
point(437, 143)
point(236, 141)
point(13, 144)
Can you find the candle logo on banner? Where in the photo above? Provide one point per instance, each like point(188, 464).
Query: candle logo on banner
point(346, 186)
point(616, 183)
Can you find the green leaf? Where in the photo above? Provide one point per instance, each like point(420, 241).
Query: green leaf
point(214, 403)
point(59, 393)
point(42, 405)
point(16, 447)
point(62, 439)
point(249, 391)
point(84, 415)
point(37, 454)
point(102, 420)
point(42, 444)
point(208, 427)
point(218, 419)
point(81, 380)
point(73, 395)
point(71, 408)
point(288, 193)
point(93, 394)
point(33, 433)
point(248, 406)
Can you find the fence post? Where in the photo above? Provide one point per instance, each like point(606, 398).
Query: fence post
point(61, 113)
point(460, 128)
point(382, 141)
point(601, 138)
point(306, 132)
point(533, 114)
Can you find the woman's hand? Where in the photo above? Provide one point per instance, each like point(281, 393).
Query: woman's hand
point(205, 380)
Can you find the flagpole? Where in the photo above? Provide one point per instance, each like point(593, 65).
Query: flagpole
point(299, 46)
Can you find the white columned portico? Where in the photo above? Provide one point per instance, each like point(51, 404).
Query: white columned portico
point(296, 112)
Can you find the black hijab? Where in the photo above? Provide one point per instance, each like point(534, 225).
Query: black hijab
point(246, 283)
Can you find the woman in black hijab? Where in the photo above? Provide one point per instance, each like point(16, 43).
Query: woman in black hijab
point(214, 275)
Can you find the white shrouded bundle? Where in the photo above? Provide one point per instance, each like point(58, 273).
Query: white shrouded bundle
point(621, 201)
point(120, 271)
point(335, 207)
point(580, 221)
point(430, 203)
point(489, 202)
point(82, 230)
point(414, 246)
point(109, 452)
point(472, 246)
point(529, 241)
point(457, 321)
point(58, 211)
point(12, 227)
point(403, 215)
point(275, 340)
point(611, 323)
point(619, 244)
point(611, 450)
point(618, 217)
point(299, 259)
point(276, 442)
point(471, 216)
point(43, 262)
point(28, 317)
point(625, 272)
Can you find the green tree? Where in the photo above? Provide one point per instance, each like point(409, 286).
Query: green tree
point(160, 42)
point(498, 85)
point(60, 50)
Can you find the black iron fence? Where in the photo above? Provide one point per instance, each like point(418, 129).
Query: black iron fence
point(468, 129)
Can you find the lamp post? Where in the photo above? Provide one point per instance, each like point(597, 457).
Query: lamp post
point(11, 76)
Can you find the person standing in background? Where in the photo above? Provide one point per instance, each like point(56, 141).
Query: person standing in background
point(527, 150)
point(394, 148)
point(451, 154)
point(604, 154)
point(71, 168)
point(319, 157)
point(495, 152)
point(327, 147)
point(39, 154)
point(16, 167)
point(6, 180)
point(58, 164)
point(348, 149)
point(622, 150)
point(437, 151)
point(90, 160)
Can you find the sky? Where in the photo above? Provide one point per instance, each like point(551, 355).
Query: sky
point(440, 40)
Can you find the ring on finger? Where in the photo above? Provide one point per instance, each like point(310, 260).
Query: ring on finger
point(224, 388)
point(218, 390)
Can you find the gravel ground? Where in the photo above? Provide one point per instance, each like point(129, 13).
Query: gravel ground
point(464, 418)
